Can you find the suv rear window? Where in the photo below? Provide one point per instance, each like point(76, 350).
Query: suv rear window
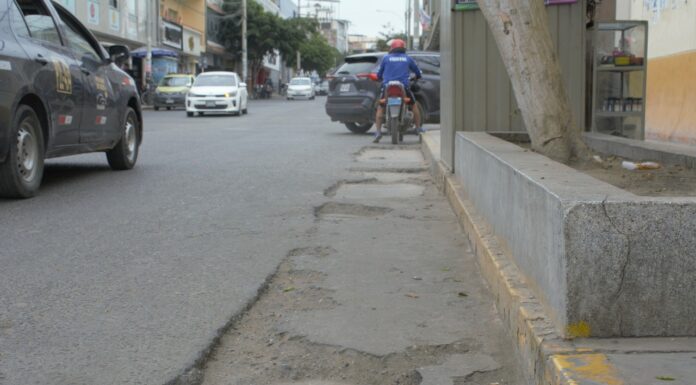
point(355, 66)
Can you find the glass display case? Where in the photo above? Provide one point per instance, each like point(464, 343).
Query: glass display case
point(620, 70)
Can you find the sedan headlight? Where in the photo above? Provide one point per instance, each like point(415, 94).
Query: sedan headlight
point(230, 94)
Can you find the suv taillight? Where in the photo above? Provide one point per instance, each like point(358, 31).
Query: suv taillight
point(372, 76)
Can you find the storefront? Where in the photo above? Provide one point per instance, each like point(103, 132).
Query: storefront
point(164, 61)
point(190, 60)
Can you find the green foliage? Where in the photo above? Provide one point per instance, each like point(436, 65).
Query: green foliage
point(317, 54)
point(268, 33)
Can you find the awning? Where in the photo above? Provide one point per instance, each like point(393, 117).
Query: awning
point(156, 52)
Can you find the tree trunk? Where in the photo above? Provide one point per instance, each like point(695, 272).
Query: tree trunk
point(521, 32)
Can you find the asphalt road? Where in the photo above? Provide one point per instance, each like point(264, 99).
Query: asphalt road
point(126, 277)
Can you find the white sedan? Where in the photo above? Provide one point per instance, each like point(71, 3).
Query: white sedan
point(301, 88)
point(218, 92)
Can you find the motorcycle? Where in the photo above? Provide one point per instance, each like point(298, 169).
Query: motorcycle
point(399, 115)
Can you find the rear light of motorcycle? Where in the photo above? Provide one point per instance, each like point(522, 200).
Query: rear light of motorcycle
point(395, 92)
point(372, 76)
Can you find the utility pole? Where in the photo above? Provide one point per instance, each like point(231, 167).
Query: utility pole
point(147, 65)
point(408, 25)
point(416, 24)
point(245, 62)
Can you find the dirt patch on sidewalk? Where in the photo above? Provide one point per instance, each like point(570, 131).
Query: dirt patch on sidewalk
point(255, 352)
point(666, 181)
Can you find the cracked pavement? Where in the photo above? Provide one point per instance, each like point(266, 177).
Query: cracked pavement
point(385, 292)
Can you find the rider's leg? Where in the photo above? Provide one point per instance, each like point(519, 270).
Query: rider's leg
point(379, 118)
point(417, 118)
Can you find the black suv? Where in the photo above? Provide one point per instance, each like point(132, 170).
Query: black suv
point(354, 89)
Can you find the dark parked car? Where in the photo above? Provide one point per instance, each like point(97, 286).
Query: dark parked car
point(354, 89)
point(61, 94)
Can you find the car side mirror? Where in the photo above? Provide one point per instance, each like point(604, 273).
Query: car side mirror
point(119, 53)
point(242, 85)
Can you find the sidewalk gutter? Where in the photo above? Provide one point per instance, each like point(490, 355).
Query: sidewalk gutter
point(547, 358)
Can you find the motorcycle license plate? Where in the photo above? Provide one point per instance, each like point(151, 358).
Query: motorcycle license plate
point(394, 101)
point(210, 103)
point(345, 87)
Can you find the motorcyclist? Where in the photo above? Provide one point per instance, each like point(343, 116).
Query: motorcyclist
point(397, 65)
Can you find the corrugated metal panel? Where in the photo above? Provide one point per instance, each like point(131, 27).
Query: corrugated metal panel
point(488, 101)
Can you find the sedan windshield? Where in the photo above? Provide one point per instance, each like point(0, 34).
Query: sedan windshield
point(300, 82)
point(175, 82)
point(215, 81)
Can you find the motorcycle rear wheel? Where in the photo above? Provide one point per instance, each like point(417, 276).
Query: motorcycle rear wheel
point(394, 128)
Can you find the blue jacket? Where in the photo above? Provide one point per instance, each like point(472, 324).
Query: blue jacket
point(397, 66)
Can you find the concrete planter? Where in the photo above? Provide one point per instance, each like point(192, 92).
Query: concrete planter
point(604, 262)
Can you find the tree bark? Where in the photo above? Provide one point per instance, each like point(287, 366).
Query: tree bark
point(521, 32)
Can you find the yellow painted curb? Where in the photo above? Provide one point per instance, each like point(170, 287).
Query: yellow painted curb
point(547, 358)
point(578, 369)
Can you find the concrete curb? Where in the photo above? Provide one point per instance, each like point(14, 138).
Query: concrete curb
point(546, 357)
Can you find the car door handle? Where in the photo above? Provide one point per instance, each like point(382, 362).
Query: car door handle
point(85, 70)
point(41, 59)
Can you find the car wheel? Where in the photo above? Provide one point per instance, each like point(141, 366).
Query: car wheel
point(169, 108)
point(359, 128)
point(124, 155)
point(189, 114)
point(156, 108)
point(20, 175)
point(245, 111)
point(200, 114)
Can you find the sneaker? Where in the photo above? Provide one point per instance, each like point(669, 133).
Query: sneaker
point(421, 130)
point(378, 137)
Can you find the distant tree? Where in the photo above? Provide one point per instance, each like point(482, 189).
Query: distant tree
point(383, 41)
point(318, 55)
point(269, 34)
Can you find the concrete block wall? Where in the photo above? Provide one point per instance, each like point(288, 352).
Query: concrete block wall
point(603, 261)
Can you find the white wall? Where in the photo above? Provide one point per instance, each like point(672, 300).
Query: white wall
point(672, 27)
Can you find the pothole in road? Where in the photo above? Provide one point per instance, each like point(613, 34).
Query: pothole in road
point(392, 177)
point(331, 190)
point(254, 351)
point(390, 156)
point(379, 191)
point(334, 210)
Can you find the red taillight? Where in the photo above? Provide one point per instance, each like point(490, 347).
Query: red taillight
point(372, 76)
point(395, 92)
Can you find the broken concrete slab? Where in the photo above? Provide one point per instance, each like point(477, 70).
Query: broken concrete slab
point(604, 262)
point(457, 367)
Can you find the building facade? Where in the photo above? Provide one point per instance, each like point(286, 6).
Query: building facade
point(361, 43)
point(288, 9)
point(671, 74)
point(182, 28)
point(336, 33)
point(114, 22)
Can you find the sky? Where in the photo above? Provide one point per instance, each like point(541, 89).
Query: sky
point(368, 17)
